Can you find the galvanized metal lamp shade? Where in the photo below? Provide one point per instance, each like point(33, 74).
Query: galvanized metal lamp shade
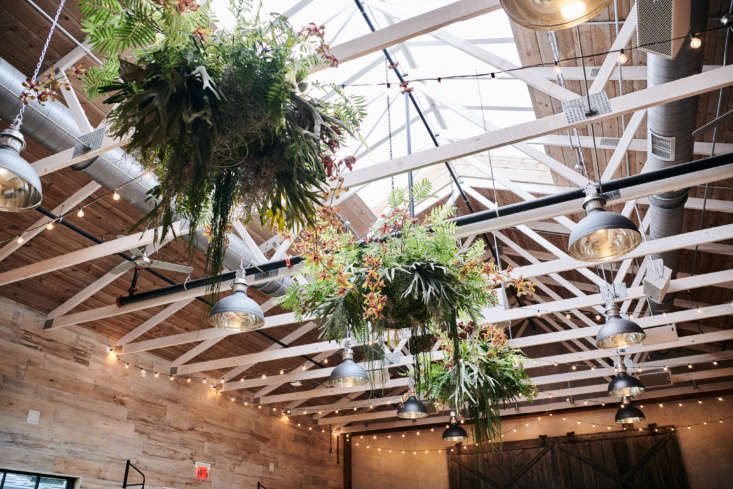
point(237, 311)
point(602, 235)
point(618, 332)
point(545, 15)
point(348, 373)
point(454, 433)
point(412, 408)
point(20, 186)
point(627, 414)
point(624, 385)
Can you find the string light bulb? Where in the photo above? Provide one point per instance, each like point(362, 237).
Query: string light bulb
point(695, 41)
point(49, 226)
point(622, 57)
point(115, 195)
point(19, 240)
point(80, 212)
point(558, 70)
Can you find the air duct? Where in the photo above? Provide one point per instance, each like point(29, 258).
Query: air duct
point(669, 134)
point(53, 126)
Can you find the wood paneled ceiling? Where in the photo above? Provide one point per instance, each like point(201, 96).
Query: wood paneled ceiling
point(22, 30)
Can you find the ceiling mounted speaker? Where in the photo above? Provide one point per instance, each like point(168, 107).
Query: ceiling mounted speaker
point(662, 25)
point(552, 15)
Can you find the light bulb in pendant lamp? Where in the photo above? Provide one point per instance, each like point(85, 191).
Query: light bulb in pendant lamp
point(454, 433)
point(237, 311)
point(628, 414)
point(412, 408)
point(348, 373)
point(618, 332)
point(551, 15)
point(625, 385)
point(602, 235)
point(20, 186)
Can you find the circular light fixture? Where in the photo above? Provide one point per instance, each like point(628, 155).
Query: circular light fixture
point(602, 235)
point(412, 408)
point(20, 186)
point(237, 311)
point(618, 332)
point(550, 15)
point(627, 414)
point(348, 373)
point(454, 433)
point(625, 385)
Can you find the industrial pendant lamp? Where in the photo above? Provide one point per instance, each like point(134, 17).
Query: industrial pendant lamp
point(627, 413)
point(412, 408)
point(20, 187)
point(618, 332)
point(550, 15)
point(625, 385)
point(237, 311)
point(602, 235)
point(348, 373)
point(454, 433)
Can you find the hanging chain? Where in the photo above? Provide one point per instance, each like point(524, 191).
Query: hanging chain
point(19, 118)
point(389, 114)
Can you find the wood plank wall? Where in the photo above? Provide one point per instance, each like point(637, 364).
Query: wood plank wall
point(95, 414)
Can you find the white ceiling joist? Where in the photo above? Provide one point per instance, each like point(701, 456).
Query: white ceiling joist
point(610, 62)
point(649, 97)
point(37, 227)
point(577, 357)
point(91, 253)
point(520, 342)
point(412, 27)
point(539, 408)
point(558, 393)
point(705, 358)
point(640, 145)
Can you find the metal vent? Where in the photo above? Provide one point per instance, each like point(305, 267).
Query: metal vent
point(656, 379)
point(658, 22)
point(609, 142)
point(594, 71)
point(662, 146)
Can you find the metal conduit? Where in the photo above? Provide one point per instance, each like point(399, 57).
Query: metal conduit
point(673, 122)
point(614, 188)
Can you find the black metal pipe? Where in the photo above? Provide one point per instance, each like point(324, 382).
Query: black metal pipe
point(612, 186)
point(175, 287)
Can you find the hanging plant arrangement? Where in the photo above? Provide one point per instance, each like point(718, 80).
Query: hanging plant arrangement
point(225, 119)
point(405, 274)
point(478, 374)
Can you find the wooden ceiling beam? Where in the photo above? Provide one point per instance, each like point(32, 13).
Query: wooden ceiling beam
point(86, 254)
point(648, 97)
point(410, 28)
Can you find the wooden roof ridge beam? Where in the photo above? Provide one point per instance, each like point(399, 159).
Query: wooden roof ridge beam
point(631, 102)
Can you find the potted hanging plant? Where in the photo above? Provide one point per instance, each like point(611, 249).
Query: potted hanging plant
point(477, 374)
point(406, 273)
point(225, 119)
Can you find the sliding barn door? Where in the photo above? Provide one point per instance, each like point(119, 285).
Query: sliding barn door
point(621, 460)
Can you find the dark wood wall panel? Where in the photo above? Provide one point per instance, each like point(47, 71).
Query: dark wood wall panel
point(628, 460)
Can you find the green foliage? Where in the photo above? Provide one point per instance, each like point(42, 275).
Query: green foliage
point(222, 122)
point(478, 374)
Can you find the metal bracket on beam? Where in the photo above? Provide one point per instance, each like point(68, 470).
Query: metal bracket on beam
point(575, 110)
point(90, 141)
point(613, 292)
